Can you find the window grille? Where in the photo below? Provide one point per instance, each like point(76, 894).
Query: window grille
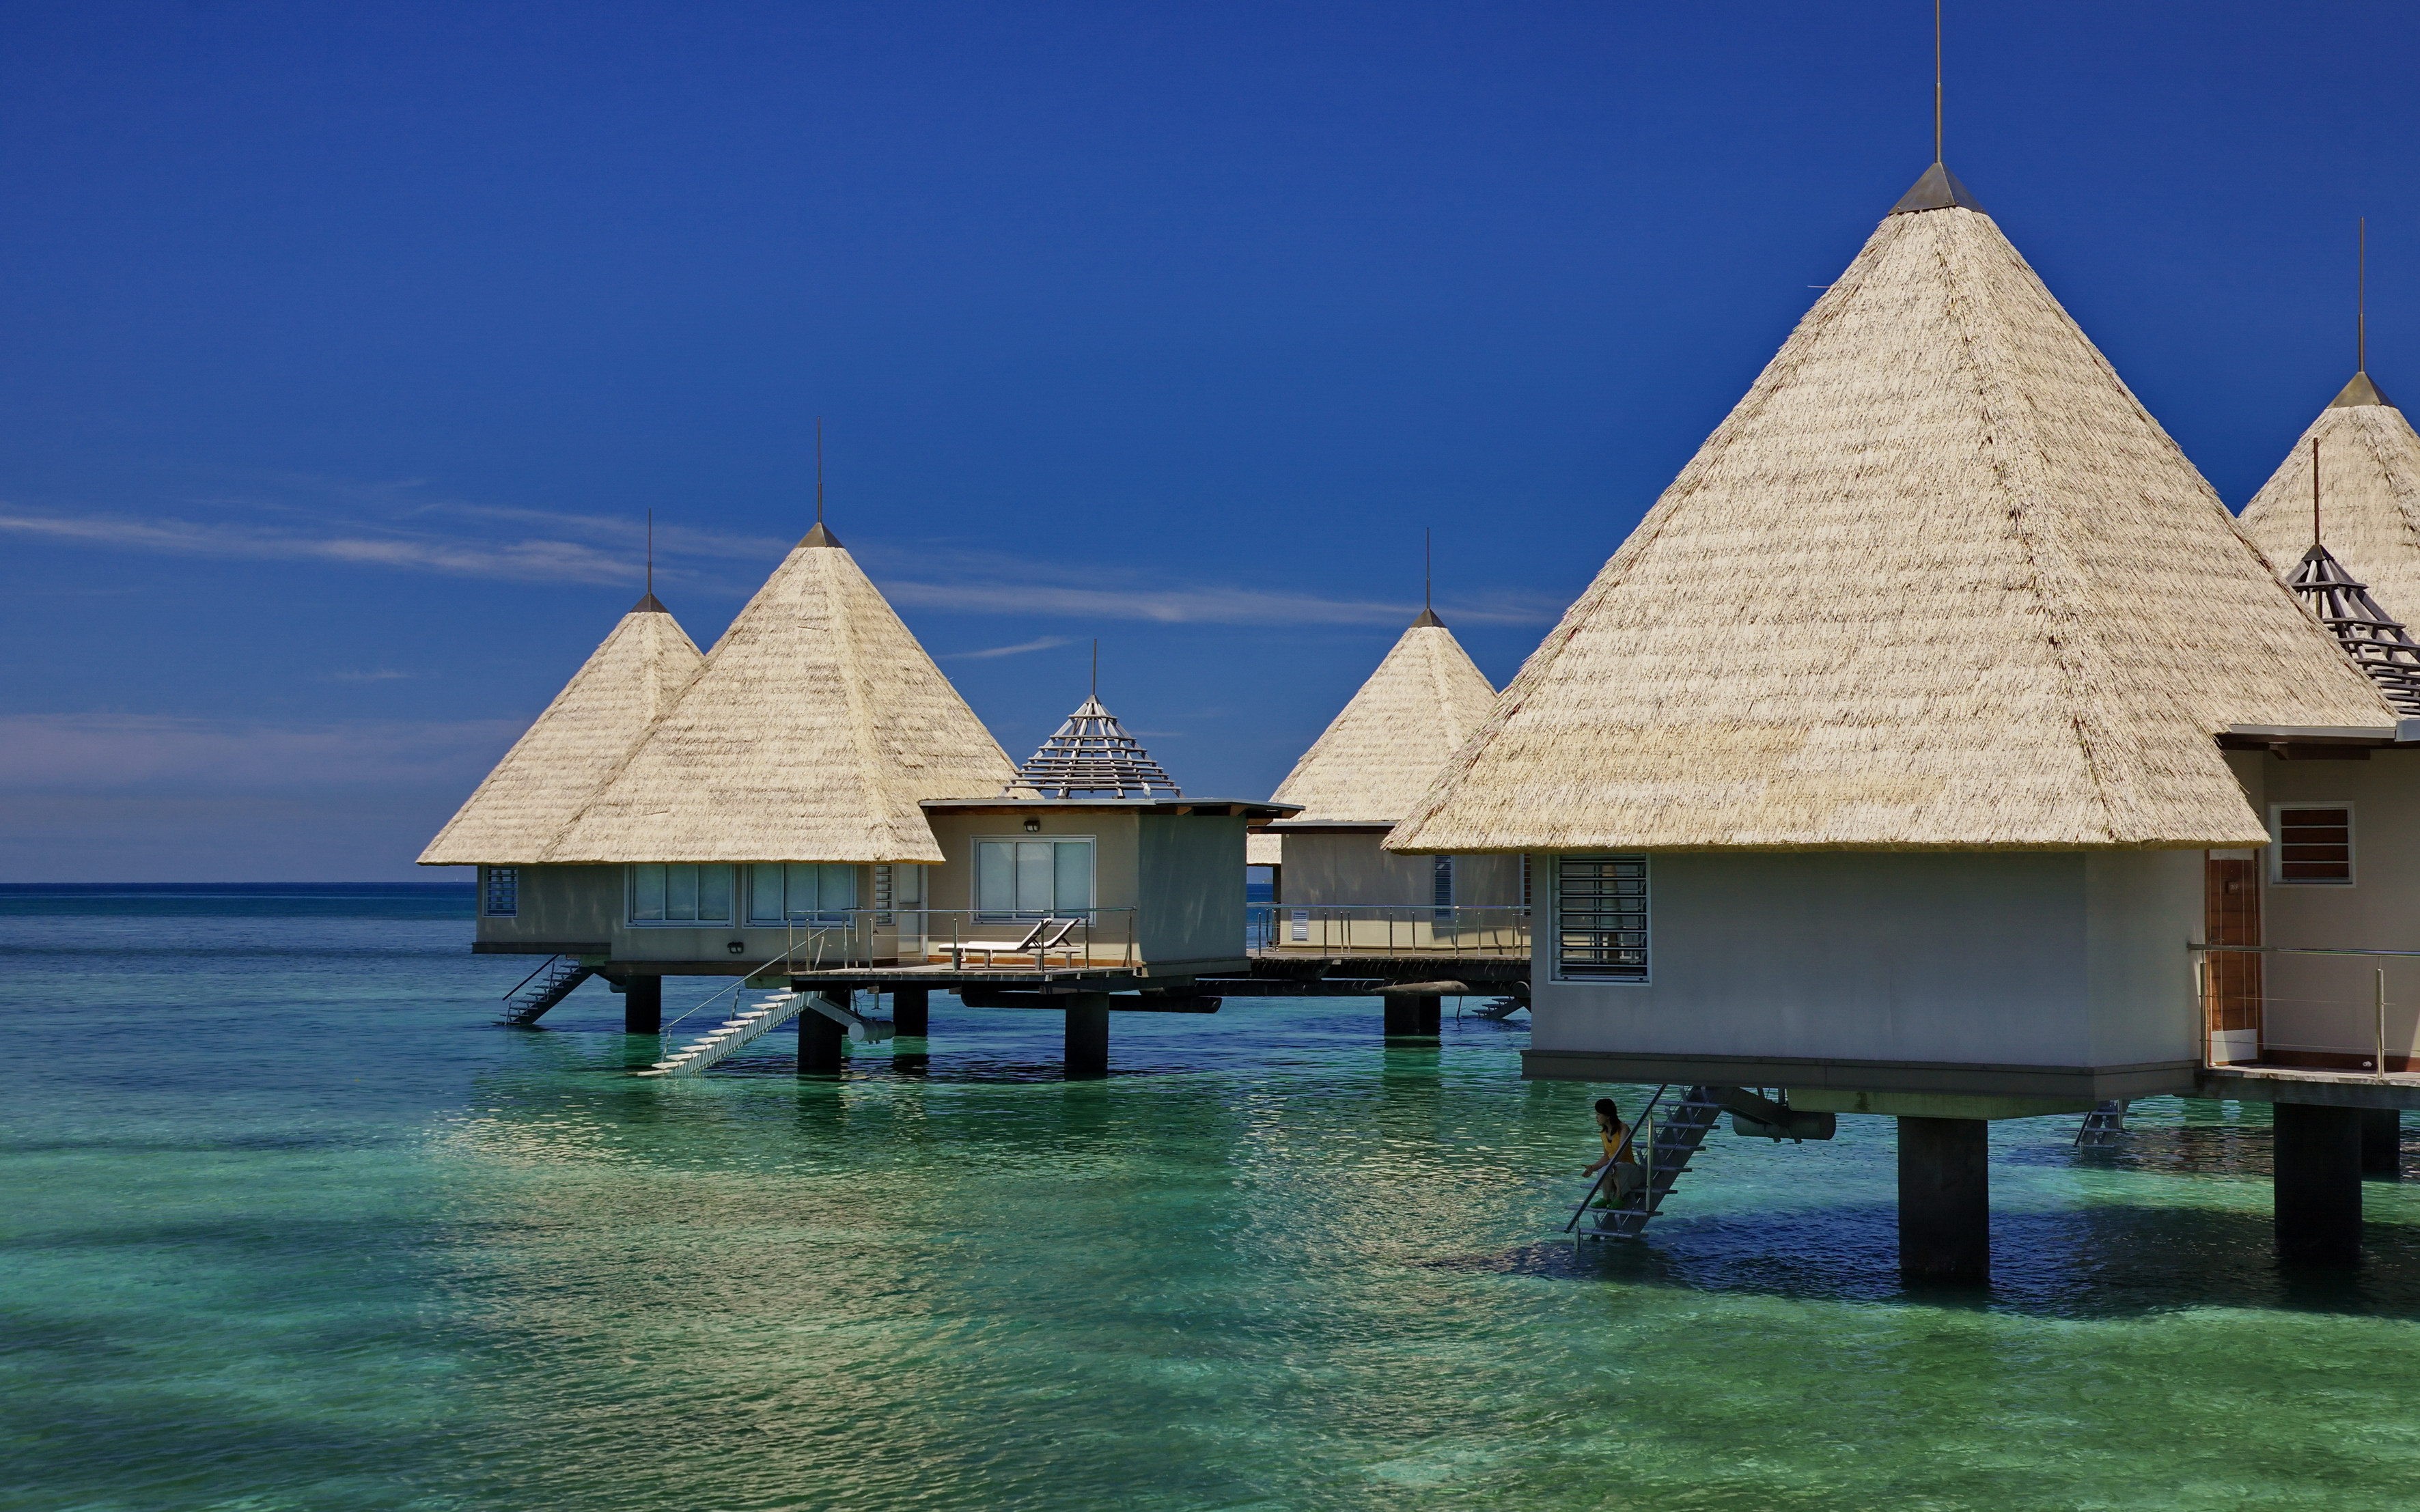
point(500, 891)
point(1441, 888)
point(1601, 923)
point(679, 893)
point(2314, 843)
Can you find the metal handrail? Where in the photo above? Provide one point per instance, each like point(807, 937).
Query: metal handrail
point(1436, 929)
point(543, 968)
point(742, 984)
point(2299, 949)
point(1628, 1134)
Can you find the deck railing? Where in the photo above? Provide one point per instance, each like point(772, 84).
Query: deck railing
point(1388, 929)
point(966, 939)
point(2319, 1007)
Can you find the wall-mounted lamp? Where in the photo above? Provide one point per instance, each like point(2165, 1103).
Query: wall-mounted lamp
point(1033, 827)
point(737, 948)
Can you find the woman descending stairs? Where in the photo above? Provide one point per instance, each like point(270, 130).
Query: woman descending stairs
point(1678, 1136)
point(752, 1023)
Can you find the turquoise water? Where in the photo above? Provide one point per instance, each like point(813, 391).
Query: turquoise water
point(289, 1226)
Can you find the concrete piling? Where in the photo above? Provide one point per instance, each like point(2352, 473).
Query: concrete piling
point(2381, 1143)
point(820, 1038)
point(1411, 1015)
point(1944, 1200)
point(910, 1011)
point(1088, 1034)
point(643, 1005)
point(2318, 1164)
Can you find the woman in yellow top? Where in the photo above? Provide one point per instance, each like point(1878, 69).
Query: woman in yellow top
point(1628, 1174)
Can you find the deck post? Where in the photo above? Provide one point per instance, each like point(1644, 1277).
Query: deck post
point(820, 1038)
point(643, 1005)
point(2317, 1195)
point(911, 1011)
point(1088, 1034)
point(1411, 1015)
point(1944, 1200)
point(2381, 1143)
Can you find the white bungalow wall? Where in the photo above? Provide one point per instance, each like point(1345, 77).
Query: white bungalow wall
point(1348, 868)
point(2322, 1009)
point(2051, 960)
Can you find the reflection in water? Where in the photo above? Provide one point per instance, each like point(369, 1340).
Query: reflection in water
point(405, 1262)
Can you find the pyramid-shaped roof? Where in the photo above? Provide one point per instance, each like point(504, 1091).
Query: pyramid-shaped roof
point(2376, 641)
point(1380, 752)
point(572, 747)
point(2370, 475)
point(813, 729)
point(1091, 754)
point(1938, 582)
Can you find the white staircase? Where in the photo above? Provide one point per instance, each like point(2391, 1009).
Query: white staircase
point(1679, 1134)
point(751, 1022)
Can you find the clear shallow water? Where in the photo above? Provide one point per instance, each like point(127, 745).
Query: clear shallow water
point(288, 1225)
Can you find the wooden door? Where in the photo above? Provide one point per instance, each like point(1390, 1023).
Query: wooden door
point(2231, 981)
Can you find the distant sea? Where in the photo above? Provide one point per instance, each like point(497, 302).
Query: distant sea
point(292, 1228)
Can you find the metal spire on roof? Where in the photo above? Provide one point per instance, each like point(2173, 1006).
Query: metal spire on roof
point(649, 604)
point(1428, 580)
point(2361, 390)
point(1092, 755)
point(1938, 189)
point(2377, 643)
point(819, 537)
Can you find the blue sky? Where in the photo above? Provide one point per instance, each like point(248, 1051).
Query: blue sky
point(346, 347)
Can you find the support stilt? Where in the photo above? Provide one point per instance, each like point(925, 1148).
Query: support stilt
point(1411, 1015)
point(1944, 1200)
point(1088, 1034)
point(643, 1005)
point(2318, 1164)
point(911, 1011)
point(820, 1038)
point(2381, 1143)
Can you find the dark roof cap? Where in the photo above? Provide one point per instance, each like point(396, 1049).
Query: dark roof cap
point(2361, 390)
point(1428, 619)
point(819, 537)
point(650, 605)
point(1938, 189)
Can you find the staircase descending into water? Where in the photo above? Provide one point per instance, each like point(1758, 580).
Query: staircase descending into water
point(542, 989)
point(1679, 1134)
point(751, 1022)
point(2102, 1126)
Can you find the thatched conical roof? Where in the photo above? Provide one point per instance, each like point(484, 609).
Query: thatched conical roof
point(572, 747)
point(1939, 581)
point(2369, 480)
point(2379, 643)
point(1378, 755)
point(810, 735)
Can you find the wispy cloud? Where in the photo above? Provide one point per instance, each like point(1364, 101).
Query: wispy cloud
point(379, 674)
point(524, 560)
point(44, 753)
point(1046, 643)
point(1195, 605)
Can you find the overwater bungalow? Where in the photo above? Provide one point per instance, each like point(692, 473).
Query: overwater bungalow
point(812, 805)
point(1349, 903)
point(1888, 763)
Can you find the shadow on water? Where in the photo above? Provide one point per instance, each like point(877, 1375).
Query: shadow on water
point(2104, 1262)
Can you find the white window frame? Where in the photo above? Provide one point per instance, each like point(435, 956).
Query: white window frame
point(974, 875)
point(630, 918)
point(500, 880)
point(1552, 935)
point(2277, 844)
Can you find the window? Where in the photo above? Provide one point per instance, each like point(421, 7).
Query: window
point(1601, 918)
point(811, 892)
point(679, 893)
point(500, 891)
point(1441, 886)
point(1033, 878)
point(2314, 843)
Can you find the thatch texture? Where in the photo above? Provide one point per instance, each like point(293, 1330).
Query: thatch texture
point(567, 753)
point(2369, 497)
point(1260, 848)
point(1938, 582)
point(1379, 754)
point(815, 727)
